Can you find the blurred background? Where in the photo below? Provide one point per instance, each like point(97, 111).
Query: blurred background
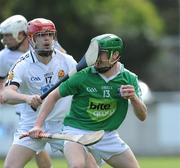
point(151, 32)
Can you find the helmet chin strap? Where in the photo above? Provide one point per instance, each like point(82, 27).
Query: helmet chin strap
point(105, 69)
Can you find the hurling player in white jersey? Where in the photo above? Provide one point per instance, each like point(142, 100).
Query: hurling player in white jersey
point(33, 74)
point(14, 39)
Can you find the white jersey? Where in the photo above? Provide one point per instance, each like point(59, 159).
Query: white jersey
point(34, 77)
point(7, 59)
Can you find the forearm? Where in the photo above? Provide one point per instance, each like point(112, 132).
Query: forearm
point(12, 97)
point(139, 107)
point(45, 109)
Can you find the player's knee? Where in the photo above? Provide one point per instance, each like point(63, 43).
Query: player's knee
point(79, 164)
point(43, 160)
point(45, 166)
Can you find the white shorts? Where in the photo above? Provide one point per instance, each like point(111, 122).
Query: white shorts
point(111, 144)
point(38, 145)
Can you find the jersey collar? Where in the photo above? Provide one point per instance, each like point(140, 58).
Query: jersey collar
point(34, 57)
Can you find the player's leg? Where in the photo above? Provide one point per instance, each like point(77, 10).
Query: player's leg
point(114, 151)
point(18, 156)
point(91, 162)
point(75, 155)
point(124, 160)
point(43, 160)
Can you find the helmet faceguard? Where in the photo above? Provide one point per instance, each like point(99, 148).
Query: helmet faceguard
point(40, 27)
point(112, 46)
point(14, 25)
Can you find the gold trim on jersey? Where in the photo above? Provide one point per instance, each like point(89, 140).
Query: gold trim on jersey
point(10, 75)
point(61, 73)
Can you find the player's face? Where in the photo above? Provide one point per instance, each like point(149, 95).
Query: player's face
point(9, 40)
point(44, 40)
point(103, 60)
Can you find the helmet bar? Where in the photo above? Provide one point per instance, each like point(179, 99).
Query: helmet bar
point(113, 46)
point(46, 33)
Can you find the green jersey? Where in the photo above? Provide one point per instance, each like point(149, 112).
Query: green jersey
point(97, 104)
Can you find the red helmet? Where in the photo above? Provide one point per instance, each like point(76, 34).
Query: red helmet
point(40, 25)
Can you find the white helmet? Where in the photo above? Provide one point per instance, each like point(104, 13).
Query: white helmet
point(13, 25)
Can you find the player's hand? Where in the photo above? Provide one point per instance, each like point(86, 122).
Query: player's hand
point(34, 101)
point(35, 132)
point(127, 91)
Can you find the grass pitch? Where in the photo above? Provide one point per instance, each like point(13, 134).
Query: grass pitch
point(145, 162)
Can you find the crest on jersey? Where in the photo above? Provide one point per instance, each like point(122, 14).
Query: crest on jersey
point(61, 73)
point(10, 75)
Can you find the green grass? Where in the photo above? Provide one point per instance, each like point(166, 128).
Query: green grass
point(145, 162)
point(159, 162)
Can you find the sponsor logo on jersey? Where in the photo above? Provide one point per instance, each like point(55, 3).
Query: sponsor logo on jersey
point(91, 90)
point(61, 73)
point(35, 78)
point(10, 75)
point(45, 88)
point(101, 109)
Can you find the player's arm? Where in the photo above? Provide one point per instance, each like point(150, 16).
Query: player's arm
point(47, 106)
point(44, 111)
point(140, 109)
point(10, 95)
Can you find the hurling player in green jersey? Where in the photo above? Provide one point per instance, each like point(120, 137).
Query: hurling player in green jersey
point(100, 102)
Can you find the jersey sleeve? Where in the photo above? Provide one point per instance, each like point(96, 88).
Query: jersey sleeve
point(72, 85)
point(16, 74)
